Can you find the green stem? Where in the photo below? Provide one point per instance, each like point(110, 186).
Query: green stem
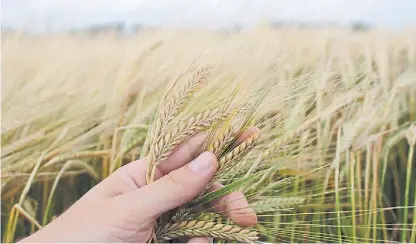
point(337, 199)
point(406, 195)
point(12, 224)
point(352, 185)
point(413, 235)
point(51, 194)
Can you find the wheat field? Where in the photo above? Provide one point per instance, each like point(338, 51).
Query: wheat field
point(331, 159)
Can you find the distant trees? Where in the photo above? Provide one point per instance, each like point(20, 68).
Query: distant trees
point(116, 27)
point(121, 27)
point(360, 25)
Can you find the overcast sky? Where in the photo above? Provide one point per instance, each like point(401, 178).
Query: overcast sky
point(58, 15)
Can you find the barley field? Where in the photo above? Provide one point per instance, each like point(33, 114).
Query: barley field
point(317, 127)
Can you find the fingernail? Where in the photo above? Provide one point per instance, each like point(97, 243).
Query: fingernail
point(202, 163)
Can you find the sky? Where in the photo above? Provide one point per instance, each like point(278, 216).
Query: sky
point(62, 15)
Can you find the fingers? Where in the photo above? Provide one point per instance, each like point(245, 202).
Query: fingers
point(201, 240)
point(235, 206)
point(182, 155)
point(133, 175)
point(172, 190)
point(243, 136)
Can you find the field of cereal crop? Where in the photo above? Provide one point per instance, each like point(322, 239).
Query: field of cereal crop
point(331, 158)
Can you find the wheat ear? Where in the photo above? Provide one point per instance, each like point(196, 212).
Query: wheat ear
point(195, 228)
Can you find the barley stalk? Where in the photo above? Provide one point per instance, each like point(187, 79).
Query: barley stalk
point(76, 155)
point(196, 228)
point(137, 140)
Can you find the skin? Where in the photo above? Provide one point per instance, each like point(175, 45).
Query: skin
point(122, 208)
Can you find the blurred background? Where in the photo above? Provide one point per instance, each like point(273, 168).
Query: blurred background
point(131, 15)
point(82, 81)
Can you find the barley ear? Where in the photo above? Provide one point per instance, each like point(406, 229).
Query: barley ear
point(230, 159)
point(195, 228)
point(168, 112)
point(221, 142)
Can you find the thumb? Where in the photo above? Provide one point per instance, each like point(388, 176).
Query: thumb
point(172, 190)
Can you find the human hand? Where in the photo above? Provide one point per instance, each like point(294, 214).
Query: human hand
point(122, 208)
